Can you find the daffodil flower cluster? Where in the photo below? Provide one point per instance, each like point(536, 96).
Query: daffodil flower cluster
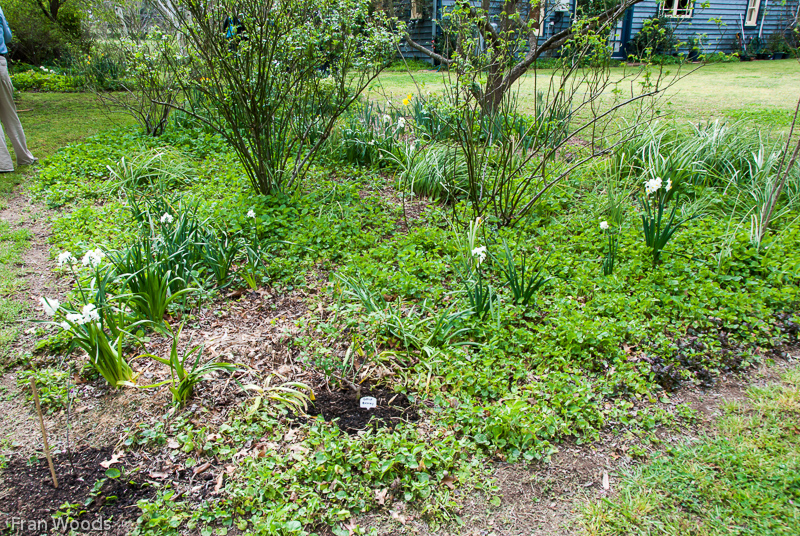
point(480, 253)
point(167, 218)
point(65, 257)
point(653, 185)
point(93, 257)
point(88, 313)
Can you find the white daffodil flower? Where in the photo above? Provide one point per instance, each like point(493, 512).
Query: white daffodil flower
point(652, 185)
point(75, 318)
point(604, 225)
point(50, 306)
point(401, 123)
point(166, 218)
point(65, 257)
point(480, 253)
point(90, 313)
point(93, 257)
point(669, 185)
point(251, 213)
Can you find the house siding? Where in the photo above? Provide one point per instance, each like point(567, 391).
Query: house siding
point(721, 37)
point(718, 24)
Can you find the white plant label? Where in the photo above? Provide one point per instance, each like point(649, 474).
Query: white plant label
point(368, 402)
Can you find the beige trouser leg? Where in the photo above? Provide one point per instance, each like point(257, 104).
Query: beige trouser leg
point(8, 116)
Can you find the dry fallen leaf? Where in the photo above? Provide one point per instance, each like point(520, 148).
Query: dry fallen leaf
point(380, 496)
point(173, 444)
point(157, 475)
point(114, 459)
point(218, 487)
point(351, 527)
point(448, 481)
point(399, 517)
point(200, 468)
point(606, 484)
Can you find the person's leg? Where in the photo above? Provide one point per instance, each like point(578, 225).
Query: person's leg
point(6, 164)
point(8, 116)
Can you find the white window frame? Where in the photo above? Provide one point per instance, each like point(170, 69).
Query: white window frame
point(416, 10)
point(751, 15)
point(542, 14)
point(671, 8)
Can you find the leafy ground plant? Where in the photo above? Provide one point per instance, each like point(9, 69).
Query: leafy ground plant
point(187, 371)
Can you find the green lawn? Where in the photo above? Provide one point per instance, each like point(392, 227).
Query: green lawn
point(54, 120)
point(745, 479)
point(764, 92)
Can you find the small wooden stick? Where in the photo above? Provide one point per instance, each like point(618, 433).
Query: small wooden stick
point(44, 433)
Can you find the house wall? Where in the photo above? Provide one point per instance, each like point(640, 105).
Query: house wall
point(722, 37)
point(718, 37)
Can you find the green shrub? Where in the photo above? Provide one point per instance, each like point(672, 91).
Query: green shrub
point(45, 80)
point(37, 39)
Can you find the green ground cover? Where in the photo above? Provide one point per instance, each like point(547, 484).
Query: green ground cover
point(51, 121)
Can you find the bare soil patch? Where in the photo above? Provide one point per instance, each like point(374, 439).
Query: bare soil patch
point(343, 408)
point(27, 491)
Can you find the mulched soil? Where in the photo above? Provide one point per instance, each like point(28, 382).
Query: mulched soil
point(343, 408)
point(27, 492)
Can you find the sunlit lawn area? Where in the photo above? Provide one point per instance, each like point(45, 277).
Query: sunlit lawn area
point(764, 92)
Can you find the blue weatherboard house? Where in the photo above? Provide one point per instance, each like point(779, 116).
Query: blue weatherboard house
point(716, 26)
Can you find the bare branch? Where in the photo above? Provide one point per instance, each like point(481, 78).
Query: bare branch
point(430, 53)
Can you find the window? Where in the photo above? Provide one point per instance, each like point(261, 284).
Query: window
point(681, 9)
point(752, 12)
point(416, 9)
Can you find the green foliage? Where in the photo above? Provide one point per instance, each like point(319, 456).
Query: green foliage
point(435, 172)
point(322, 55)
point(367, 136)
point(37, 39)
point(45, 80)
point(523, 280)
point(185, 374)
point(658, 231)
point(51, 383)
point(655, 41)
point(511, 383)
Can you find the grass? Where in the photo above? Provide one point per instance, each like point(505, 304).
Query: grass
point(51, 121)
point(762, 91)
point(745, 479)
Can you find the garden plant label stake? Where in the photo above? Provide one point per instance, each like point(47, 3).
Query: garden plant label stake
point(368, 402)
point(44, 433)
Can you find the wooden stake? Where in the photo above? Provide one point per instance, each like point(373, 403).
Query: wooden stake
point(44, 433)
